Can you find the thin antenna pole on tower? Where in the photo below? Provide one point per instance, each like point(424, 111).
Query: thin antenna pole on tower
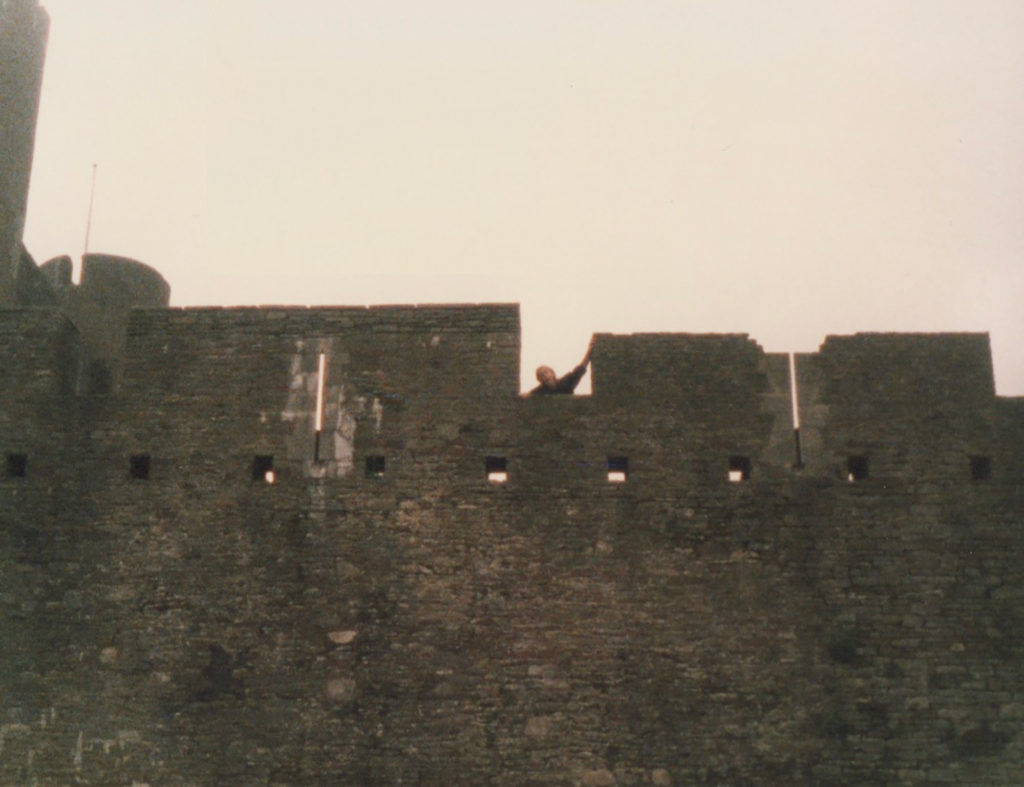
point(88, 221)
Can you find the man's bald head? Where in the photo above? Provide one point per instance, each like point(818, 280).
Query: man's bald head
point(546, 376)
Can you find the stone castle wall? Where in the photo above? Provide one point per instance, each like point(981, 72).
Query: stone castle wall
point(220, 566)
point(382, 613)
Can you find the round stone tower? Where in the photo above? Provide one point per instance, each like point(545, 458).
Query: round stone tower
point(24, 27)
point(100, 305)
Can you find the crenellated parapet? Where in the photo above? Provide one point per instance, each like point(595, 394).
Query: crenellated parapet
point(912, 405)
point(431, 392)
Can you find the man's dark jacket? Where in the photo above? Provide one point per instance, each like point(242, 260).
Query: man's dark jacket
point(565, 384)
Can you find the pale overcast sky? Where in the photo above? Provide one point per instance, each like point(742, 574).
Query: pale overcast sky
point(787, 169)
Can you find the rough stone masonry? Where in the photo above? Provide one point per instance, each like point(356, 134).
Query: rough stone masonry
point(334, 546)
point(191, 595)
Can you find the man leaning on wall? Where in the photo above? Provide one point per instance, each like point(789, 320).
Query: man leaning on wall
point(550, 383)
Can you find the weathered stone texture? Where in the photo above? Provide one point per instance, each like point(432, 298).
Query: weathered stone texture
point(422, 625)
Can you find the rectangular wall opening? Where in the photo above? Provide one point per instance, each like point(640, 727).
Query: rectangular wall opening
point(981, 468)
point(375, 466)
point(856, 468)
point(739, 469)
point(618, 469)
point(263, 469)
point(17, 465)
point(496, 469)
point(138, 467)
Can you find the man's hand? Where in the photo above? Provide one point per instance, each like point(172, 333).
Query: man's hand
point(590, 349)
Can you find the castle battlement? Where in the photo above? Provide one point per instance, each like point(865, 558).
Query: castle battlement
point(432, 391)
point(294, 546)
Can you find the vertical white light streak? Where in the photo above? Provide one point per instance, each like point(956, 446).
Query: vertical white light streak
point(792, 390)
point(320, 374)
